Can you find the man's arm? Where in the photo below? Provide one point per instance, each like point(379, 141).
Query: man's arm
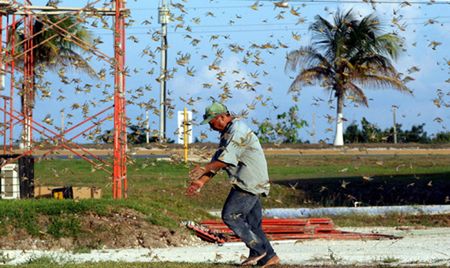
point(209, 169)
point(199, 176)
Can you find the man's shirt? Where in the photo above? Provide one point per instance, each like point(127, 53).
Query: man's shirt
point(240, 149)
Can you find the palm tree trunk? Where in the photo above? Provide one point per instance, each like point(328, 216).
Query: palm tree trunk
point(339, 138)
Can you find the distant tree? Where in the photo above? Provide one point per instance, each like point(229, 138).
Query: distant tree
point(353, 134)
point(416, 134)
point(136, 135)
point(370, 132)
point(442, 137)
point(388, 134)
point(105, 137)
point(346, 54)
point(285, 130)
point(266, 132)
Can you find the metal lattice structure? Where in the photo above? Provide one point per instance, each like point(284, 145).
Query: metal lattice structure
point(25, 13)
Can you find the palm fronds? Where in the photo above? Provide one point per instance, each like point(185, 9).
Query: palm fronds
point(347, 51)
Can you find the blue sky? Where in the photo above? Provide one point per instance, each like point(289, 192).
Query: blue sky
point(261, 39)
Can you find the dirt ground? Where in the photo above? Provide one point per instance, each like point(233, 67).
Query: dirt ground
point(417, 247)
point(126, 229)
point(126, 236)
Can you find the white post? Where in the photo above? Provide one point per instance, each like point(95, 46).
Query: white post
point(394, 109)
point(147, 127)
point(339, 139)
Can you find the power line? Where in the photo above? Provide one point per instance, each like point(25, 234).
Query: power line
point(292, 3)
point(244, 30)
point(224, 31)
point(425, 20)
point(373, 2)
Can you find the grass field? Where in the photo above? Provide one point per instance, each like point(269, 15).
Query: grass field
point(144, 175)
point(156, 189)
point(165, 181)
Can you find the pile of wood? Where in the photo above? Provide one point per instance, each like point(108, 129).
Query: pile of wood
point(281, 229)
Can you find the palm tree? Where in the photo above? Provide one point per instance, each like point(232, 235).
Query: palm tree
point(346, 55)
point(55, 54)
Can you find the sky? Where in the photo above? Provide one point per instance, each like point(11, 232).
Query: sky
point(241, 46)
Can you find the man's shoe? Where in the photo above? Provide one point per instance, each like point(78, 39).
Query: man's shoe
point(253, 260)
point(272, 261)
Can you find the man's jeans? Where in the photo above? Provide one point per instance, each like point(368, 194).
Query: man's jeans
point(242, 213)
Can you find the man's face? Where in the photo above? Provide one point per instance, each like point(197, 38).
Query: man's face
point(218, 123)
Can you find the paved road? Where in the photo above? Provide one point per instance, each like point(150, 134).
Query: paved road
point(417, 248)
point(428, 246)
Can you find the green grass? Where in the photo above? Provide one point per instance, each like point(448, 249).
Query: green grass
point(393, 219)
point(63, 214)
point(390, 260)
point(159, 186)
point(156, 189)
point(25, 213)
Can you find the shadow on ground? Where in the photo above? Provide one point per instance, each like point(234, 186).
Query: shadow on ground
point(423, 189)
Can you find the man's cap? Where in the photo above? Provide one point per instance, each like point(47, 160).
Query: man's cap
point(212, 111)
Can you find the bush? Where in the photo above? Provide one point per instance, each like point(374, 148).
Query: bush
point(441, 137)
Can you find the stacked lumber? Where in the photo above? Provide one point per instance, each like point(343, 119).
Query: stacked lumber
point(281, 229)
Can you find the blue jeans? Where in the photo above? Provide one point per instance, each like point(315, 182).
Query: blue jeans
point(242, 213)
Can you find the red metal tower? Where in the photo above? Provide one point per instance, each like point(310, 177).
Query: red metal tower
point(8, 57)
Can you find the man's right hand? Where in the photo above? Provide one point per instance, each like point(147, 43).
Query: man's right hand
point(196, 173)
point(194, 187)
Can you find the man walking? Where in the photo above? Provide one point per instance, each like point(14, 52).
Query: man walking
point(241, 155)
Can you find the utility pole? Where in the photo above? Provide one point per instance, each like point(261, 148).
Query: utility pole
point(314, 128)
point(394, 109)
point(147, 127)
point(163, 20)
